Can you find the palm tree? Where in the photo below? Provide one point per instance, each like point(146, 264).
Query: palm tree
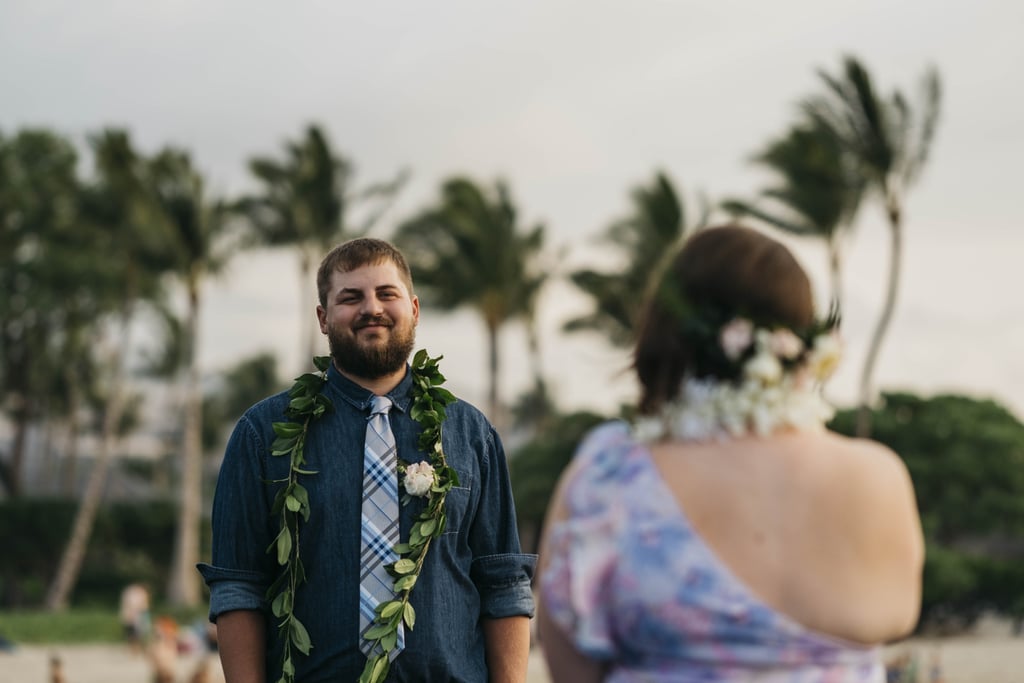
point(469, 250)
point(38, 192)
point(114, 208)
point(817, 194)
point(237, 388)
point(889, 140)
point(304, 203)
point(195, 230)
point(643, 239)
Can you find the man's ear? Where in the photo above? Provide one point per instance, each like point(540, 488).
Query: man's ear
point(321, 316)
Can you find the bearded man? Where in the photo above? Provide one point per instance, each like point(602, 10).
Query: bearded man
point(472, 598)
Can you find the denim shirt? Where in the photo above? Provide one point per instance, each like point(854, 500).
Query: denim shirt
point(475, 570)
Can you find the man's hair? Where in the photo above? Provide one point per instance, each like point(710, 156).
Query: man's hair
point(363, 251)
point(719, 273)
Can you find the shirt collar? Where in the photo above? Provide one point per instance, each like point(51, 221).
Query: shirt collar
point(360, 397)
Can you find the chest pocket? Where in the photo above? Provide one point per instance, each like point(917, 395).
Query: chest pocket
point(456, 508)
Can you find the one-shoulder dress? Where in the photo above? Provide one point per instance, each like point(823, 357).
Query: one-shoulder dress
point(632, 584)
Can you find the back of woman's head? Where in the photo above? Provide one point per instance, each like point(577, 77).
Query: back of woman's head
point(719, 274)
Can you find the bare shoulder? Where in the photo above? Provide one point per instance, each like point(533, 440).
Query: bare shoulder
point(883, 528)
point(872, 498)
point(863, 463)
point(864, 488)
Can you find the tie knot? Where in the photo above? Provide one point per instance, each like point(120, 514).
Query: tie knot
point(380, 404)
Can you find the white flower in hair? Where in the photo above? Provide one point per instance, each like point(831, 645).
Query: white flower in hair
point(778, 387)
point(824, 355)
point(784, 344)
point(736, 337)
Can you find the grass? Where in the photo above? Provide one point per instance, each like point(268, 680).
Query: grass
point(76, 625)
point(84, 625)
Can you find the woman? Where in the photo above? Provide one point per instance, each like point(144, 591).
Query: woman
point(727, 535)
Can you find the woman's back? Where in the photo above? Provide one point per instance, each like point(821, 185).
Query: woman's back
point(692, 563)
point(820, 527)
point(726, 535)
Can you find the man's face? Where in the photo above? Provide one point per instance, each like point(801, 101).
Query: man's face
point(370, 321)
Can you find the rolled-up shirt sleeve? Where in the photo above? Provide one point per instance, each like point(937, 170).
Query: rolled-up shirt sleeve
point(500, 571)
point(239, 573)
point(233, 589)
point(504, 584)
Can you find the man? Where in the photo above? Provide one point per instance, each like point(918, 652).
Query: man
point(472, 599)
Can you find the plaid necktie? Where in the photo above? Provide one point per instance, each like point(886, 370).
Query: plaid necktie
point(379, 520)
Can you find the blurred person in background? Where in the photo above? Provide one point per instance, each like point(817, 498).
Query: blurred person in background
point(133, 613)
point(726, 534)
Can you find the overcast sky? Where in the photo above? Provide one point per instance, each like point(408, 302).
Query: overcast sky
point(573, 102)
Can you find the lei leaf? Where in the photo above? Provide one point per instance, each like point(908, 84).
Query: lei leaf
point(307, 403)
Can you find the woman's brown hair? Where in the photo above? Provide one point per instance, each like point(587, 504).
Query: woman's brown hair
point(720, 273)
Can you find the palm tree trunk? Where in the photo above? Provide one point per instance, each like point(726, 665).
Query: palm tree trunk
point(58, 595)
point(540, 386)
point(45, 481)
point(492, 391)
point(183, 583)
point(308, 330)
point(12, 472)
point(835, 266)
point(70, 460)
point(863, 428)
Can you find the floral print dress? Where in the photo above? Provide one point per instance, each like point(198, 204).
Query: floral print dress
point(631, 583)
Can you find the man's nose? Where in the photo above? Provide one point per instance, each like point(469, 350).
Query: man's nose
point(372, 305)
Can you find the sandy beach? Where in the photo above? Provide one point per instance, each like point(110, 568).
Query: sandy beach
point(968, 659)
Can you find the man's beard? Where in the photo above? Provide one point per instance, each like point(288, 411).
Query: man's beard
point(372, 361)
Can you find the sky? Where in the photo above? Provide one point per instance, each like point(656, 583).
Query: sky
point(573, 103)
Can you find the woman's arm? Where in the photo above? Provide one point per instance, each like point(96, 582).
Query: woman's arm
point(565, 662)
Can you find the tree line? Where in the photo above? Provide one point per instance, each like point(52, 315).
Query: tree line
point(86, 255)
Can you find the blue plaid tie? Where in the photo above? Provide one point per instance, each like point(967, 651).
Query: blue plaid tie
point(379, 520)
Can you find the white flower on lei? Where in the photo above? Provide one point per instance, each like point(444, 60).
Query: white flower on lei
point(764, 367)
point(707, 410)
point(648, 429)
point(696, 419)
point(419, 478)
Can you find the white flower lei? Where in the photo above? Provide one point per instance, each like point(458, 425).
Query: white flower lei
point(771, 393)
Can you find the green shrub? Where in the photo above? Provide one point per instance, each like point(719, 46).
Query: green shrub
point(129, 542)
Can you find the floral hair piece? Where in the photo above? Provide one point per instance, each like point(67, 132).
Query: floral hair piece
point(748, 378)
point(723, 340)
point(767, 353)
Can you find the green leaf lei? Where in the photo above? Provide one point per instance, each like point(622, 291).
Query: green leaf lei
point(306, 404)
